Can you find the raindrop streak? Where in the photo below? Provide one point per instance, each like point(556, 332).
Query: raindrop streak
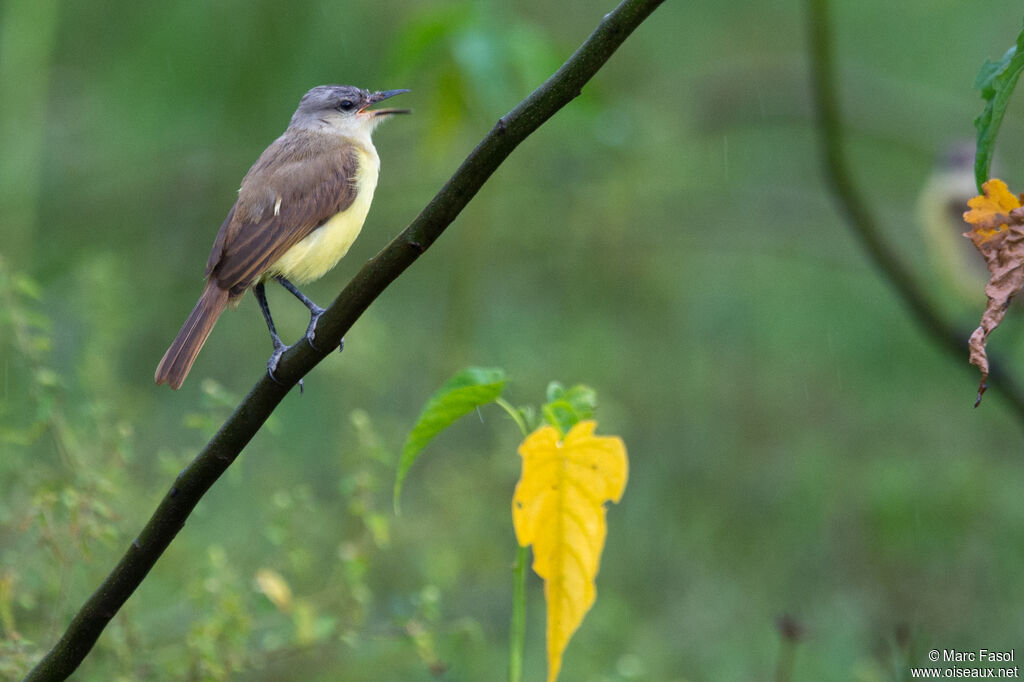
point(725, 156)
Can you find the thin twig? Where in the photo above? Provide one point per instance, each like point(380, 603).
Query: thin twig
point(862, 221)
point(365, 287)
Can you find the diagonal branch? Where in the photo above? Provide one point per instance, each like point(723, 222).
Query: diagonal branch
point(365, 287)
point(863, 222)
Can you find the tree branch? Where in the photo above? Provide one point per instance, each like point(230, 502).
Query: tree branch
point(860, 218)
point(365, 287)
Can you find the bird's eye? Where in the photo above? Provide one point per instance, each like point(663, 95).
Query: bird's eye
point(346, 105)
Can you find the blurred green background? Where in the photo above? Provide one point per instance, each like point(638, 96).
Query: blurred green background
point(797, 446)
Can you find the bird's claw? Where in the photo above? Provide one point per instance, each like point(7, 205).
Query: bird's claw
point(314, 317)
point(272, 365)
point(275, 357)
point(311, 330)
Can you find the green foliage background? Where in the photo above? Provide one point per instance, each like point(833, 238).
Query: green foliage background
point(796, 445)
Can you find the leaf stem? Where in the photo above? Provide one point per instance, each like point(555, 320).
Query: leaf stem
point(516, 415)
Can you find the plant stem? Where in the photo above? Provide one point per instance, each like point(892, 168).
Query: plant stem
point(517, 627)
point(517, 632)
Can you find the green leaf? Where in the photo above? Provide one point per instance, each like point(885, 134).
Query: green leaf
point(560, 415)
point(566, 407)
point(996, 80)
point(464, 392)
point(583, 400)
point(555, 392)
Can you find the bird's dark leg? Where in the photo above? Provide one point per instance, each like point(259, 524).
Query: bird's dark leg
point(279, 347)
point(315, 311)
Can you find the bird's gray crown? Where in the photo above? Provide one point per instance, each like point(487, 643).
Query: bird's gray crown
point(340, 99)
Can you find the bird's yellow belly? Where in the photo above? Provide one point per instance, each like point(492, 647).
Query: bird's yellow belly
point(311, 258)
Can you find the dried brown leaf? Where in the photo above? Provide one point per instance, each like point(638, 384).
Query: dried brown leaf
point(997, 221)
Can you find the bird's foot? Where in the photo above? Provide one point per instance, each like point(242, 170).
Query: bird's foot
point(315, 315)
point(275, 357)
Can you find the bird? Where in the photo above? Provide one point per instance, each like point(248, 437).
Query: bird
point(299, 208)
point(959, 272)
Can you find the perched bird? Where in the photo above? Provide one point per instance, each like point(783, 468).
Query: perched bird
point(958, 268)
point(299, 209)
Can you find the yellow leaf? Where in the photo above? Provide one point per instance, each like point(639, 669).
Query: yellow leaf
point(989, 212)
point(558, 507)
point(275, 588)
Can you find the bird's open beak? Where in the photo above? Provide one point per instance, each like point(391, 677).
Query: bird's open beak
point(381, 96)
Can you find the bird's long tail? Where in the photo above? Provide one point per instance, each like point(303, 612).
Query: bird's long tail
point(178, 359)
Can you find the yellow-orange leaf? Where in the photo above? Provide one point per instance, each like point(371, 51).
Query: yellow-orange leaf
point(558, 507)
point(275, 587)
point(989, 212)
point(996, 219)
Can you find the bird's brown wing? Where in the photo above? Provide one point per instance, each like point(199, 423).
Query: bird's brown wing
point(299, 183)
